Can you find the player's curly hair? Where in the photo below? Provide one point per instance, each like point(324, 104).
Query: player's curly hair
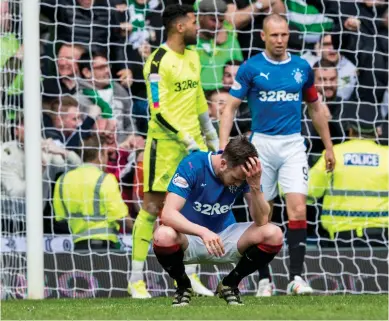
point(238, 151)
point(173, 12)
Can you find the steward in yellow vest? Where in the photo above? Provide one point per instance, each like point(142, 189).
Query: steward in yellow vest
point(90, 200)
point(356, 192)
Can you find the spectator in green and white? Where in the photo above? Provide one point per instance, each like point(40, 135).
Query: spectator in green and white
point(246, 16)
point(91, 23)
point(347, 71)
point(97, 88)
point(217, 43)
point(361, 32)
point(307, 24)
point(141, 25)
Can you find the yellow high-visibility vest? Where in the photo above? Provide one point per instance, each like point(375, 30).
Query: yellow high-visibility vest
point(356, 193)
point(91, 202)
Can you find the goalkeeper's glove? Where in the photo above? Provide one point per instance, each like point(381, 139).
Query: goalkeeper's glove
point(209, 132)
point(188, 141)
point(212, 140)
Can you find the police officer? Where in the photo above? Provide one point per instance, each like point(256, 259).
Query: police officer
point(355, 194)
point(90, 200)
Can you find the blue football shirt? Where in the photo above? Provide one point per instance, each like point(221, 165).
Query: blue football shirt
point(208, 201)
point(275, 91)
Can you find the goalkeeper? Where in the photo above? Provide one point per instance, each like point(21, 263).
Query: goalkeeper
point(179, 113)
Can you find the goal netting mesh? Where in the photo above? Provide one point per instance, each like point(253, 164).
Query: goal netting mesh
point(123, 33)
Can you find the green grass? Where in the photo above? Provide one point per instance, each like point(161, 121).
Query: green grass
point(348, 307)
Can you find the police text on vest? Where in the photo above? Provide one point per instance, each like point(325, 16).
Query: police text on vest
point(361, 159)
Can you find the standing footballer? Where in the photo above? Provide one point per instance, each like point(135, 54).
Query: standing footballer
point(275, 83)
point(179, 113)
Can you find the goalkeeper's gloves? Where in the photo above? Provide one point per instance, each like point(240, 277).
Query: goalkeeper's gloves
point(188, 141)
point(212, 140)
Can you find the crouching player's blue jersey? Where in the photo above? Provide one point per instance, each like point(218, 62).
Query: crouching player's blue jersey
point(208, 201)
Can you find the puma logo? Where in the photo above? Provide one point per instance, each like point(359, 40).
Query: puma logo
point(265, 75)
point(155, 63)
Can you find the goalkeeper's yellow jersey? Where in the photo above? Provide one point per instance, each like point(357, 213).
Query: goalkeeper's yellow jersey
point(175, 94)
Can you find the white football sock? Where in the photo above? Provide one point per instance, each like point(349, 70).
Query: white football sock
point(136, 271)
point(190, 269)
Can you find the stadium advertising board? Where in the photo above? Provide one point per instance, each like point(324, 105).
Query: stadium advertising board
point(82, 275)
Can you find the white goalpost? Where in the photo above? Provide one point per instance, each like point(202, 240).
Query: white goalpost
point(32, 123)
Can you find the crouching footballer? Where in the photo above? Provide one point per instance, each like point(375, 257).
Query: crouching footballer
point(196, 219)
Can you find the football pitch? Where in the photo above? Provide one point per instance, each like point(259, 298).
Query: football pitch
point(337, 307)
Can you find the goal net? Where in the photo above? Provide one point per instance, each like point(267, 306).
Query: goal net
point(93, 52)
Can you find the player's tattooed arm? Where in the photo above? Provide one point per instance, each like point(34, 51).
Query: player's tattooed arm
point(259, 207)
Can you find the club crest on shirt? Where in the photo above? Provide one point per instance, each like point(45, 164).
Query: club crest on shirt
point(298, 75)
point(192, 66)
point(180, 181)
point(236, 85)
point(233, 189)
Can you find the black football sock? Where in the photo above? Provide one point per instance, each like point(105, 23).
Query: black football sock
point(254, 258)
point(297, 239)
point(264, 273)
point(171, 259)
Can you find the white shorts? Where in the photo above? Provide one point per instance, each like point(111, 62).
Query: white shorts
point(284, 161)
point(197, 252)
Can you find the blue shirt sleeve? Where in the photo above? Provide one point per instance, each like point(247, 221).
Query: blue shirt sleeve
point(184, 179)
point(242, 82)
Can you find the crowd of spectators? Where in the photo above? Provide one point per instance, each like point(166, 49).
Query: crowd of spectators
point(92, 57)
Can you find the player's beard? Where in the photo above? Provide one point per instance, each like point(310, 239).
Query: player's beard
point(222, 177)
point(190, 39)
